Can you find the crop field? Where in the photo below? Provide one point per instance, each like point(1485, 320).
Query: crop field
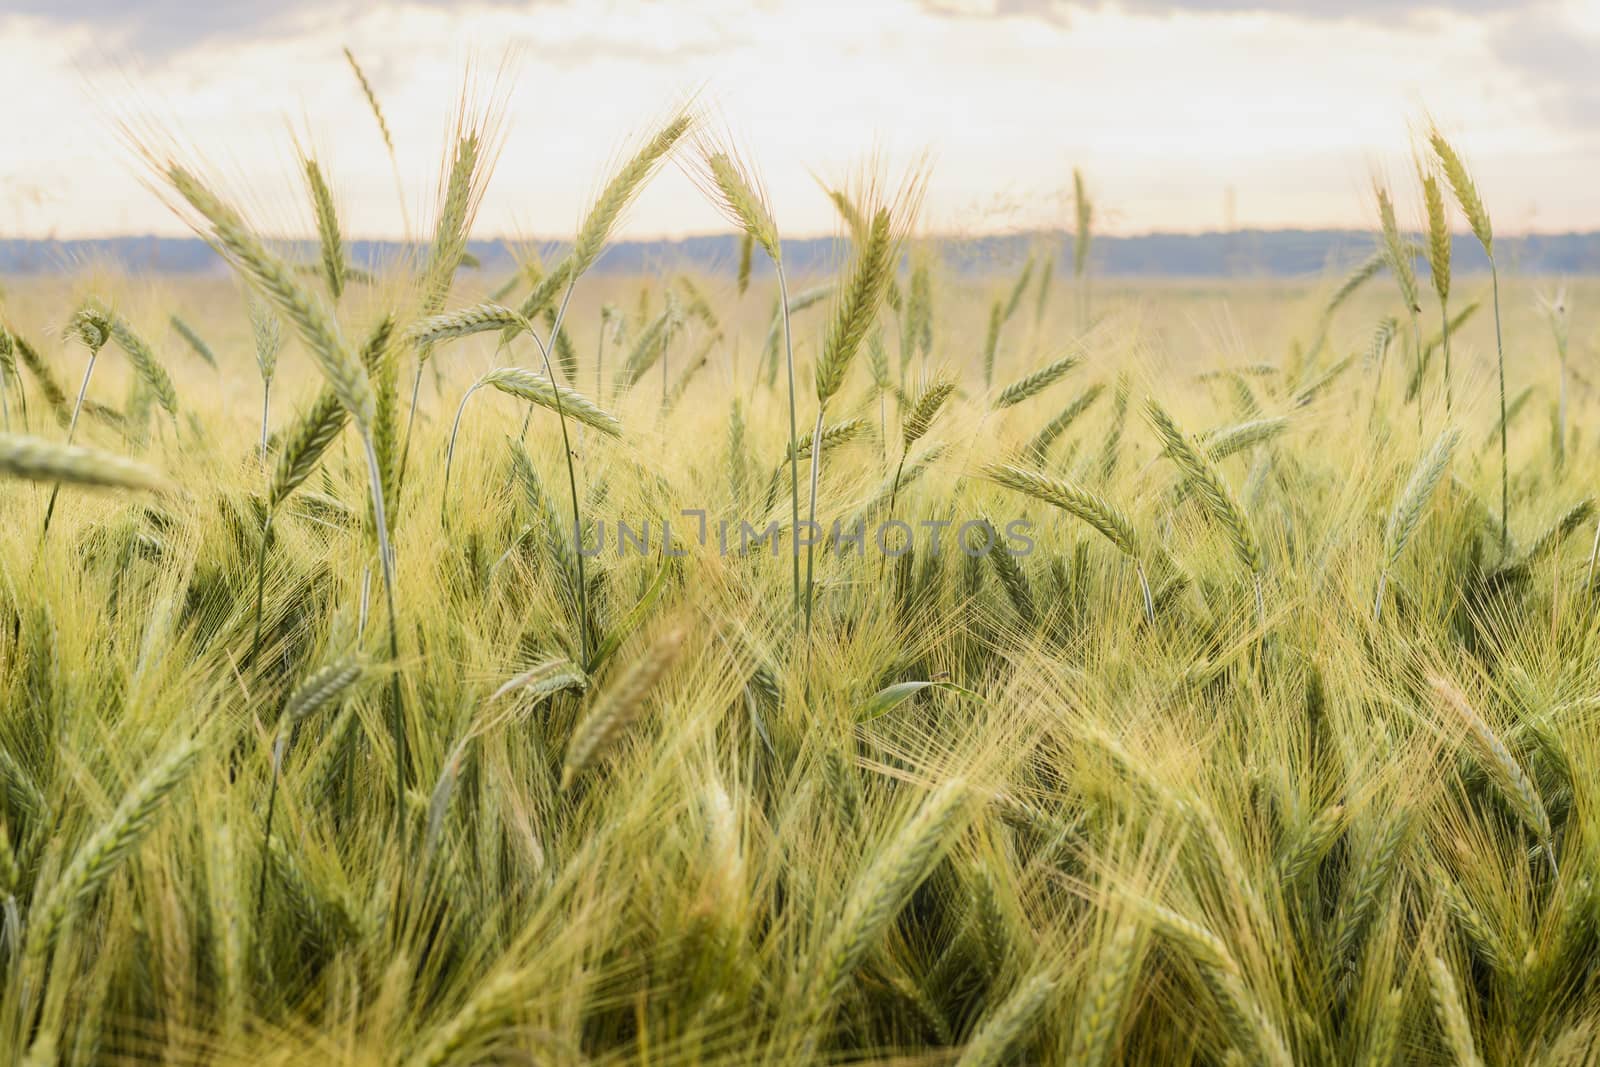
point(408, 663)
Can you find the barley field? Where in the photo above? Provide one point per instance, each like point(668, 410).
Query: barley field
point(965, 668)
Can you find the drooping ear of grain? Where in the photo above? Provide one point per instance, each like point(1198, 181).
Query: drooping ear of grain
point(275, 280)
point(36, 460)
point(619, 704)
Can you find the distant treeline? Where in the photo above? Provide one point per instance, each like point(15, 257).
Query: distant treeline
point(1242, 254)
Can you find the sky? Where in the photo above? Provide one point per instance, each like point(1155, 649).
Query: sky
point(1184, 115)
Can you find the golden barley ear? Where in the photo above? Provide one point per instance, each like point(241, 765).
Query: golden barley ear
point(1466, 190)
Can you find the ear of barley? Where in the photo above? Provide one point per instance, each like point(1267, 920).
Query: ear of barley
point(1244, 436)
point(276, 282)
point(1211, 489)
point(1448, 1006)
point(54, 395)
point(858, 305)
point(1099, 513)
point(458, 203)
point(464, 322)
point(546, 291)
point(1383, 1036)
point(618, 705)
point(1038, 445)
point(620, 190)
point(1119, 420)
point(1438, 246)
point(144, 361)
point(1007, 1025)
point(734, 189)
point(925, 408)
point(112, 842)
point(327, 216)
point(267, 331)
point(878, 894)
point(747, 244)
point(1363, 272)
point(1313, 841)
point(1500, 765)
point(1366, 885)
point(832, 436)
point(1037, 382)
point(37, 460)
point(1397, 250)
point(537, 389)
point(1466, 190)
point(991, 341)
point(1017, 290)
point(1103, 1004)
point(550, 676)
point(372, 100)
point(193, 340)
point(1413, 500)
point(322, 688)
point(1011, 577)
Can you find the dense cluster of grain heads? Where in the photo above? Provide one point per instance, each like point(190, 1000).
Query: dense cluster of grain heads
point(578, 724)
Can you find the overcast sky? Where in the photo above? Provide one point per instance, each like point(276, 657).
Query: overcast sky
point(1167, 105)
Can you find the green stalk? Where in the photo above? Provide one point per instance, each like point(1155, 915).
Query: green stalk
point(72, 425)
point(794, 439)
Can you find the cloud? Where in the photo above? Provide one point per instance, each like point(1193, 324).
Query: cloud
point(160, 29)
point(1348, 10)
point(1555, 59)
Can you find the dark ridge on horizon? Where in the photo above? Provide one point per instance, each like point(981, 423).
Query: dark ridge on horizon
point(1237, 254)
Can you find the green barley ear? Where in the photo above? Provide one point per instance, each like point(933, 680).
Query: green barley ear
point(922, 411)
point(1243, 436)
point(1438, 246)
point(1037, 382)
point(1212, 491)
point(322, 688)
point(372, 100)
point(1397, 250)
point(618, 705)
point(620, 190)
point(303, 445)
point(877, 896)
point(858, 306)
point(461, 191)
point(1413, 499)
point(1104, 1002)
point(37, 460)
point(145, 363)
point(55, 397)
point(1310, 844)
point(464, 322)
point(1360, 275)
point(1084, 211)
point(276, 281)
point(1008, 1023)
point(747, 244)
point(537, 389)
point(1017, 290)
point(1095, 510)
point(1447, 1004)
point(112, 842)
point(1500, 766)
point(266, 329)
point(193, 340)
point(1410, 505)
point(1038, 445)
point(991, 341)
point(1466, 190)
point(332, 245)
